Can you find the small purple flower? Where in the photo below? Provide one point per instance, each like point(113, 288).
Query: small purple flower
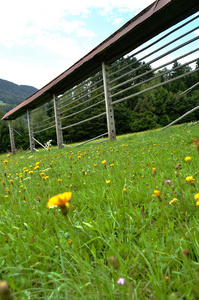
point(168, 181)
point(121, 281)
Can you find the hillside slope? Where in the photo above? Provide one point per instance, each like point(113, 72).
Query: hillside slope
point(12, 94)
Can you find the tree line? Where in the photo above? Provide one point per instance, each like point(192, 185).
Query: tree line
point(152, 109)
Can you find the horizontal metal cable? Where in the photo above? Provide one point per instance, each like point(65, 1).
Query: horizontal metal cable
point(79, 85)
point(153, 87)
point(188, 90)
point(154, 77)
point(155, 51)
point(97, 137)
point(86, 120)
point(44, 120)
point(157, 58)
point(81, 92)
point(91, 99)
point(50, 123)
point(34, 112)
point(77, 112)
point(178, 119)
point(43, 129)
point(156, 41)
point(79, 100)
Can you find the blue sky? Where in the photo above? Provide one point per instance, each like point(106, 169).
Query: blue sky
point(40, 39)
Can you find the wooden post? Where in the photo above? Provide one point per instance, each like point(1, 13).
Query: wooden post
point(109, 106)
point(30, 130)
point(58, 123)
point(12, 140)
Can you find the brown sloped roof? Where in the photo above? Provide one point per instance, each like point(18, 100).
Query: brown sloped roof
point(157, 17)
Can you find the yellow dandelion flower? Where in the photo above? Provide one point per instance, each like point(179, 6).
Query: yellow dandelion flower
point(188, 158)
point(61, 200)
point(190, 178)
point(124, 190)
point(108, 181)
point(197, 199)
point(197, 196)
point(156, 193)
point(104, 162)
point(173, 201)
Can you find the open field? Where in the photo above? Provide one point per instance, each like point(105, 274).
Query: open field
point(132, 231)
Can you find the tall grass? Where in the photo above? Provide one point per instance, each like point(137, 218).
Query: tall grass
point(120, 224)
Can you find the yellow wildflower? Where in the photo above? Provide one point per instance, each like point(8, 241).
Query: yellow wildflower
point(156, 193)
point(197, 199)
point(108, 181)
point(104, 162)
point(190, 178)
point(61, 200)
point(173, 201)
point(188, 158)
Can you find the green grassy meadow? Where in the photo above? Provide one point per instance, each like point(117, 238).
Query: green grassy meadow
point(122, 237)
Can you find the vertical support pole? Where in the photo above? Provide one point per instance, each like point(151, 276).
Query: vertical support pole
point(109, 106)
point(58, 123)
point(30, 130)
point(12, 140)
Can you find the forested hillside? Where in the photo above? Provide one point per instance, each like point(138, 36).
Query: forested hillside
point(152, 109)
point(12, 94)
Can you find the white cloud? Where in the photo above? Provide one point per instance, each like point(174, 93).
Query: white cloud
point(27, 18)
point(38, 75)
point(58, 31)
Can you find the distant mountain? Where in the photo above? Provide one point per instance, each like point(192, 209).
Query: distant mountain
point(12, 94)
